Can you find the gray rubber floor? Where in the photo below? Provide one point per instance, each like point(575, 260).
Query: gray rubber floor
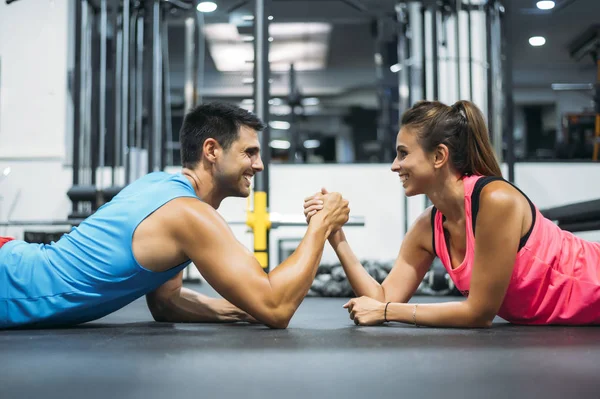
point(321, 355)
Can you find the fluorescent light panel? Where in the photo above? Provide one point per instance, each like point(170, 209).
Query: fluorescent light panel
point(303, 44)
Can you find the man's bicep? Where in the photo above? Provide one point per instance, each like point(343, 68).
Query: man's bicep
point(226, 264)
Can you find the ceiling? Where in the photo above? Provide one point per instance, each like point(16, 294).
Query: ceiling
point(349, 72)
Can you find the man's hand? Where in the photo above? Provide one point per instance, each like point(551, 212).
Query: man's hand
point(335, 212)
point(365, 311)
point(332, 204)
point(314, 204)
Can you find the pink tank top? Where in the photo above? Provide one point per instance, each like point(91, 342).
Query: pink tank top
point(556, 276)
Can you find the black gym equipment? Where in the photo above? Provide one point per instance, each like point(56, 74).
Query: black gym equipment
point(120, 77)
point(331, 280)
point(122, 64)
point(580, 216)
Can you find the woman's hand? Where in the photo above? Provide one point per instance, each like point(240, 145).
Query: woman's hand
point(366, 311)
point(313, 204)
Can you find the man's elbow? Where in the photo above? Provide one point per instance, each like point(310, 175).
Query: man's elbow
point(159, 309)
point(278, 318)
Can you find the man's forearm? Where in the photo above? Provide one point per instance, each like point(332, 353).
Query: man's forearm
point(291, 280)
point(360, 280)
point(192, 307)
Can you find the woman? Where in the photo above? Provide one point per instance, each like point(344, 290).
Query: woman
point(501, 253)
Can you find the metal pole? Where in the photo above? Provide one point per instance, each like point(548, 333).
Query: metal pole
point(596, 153)
point(435, 53)
point(189, 87)
point(416, 53)
point(86, 142)
point(157, 128)
point(402, 48)
point(77, 97)
point(496, 82)
point(470, 44)
point(102, 93)
point(293, 100)
point(490, 76)
point(261, 107)
point(457, 41)
point(508, 94)
point(199, 75)
point(125, 92)
point(95, 132)
point(423, 54)
point(167, 136)
point(383, 92)
point(116, 98)
point(132, 116)
point(139, 87)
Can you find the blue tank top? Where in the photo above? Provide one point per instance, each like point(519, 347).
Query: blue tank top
point(91, 271)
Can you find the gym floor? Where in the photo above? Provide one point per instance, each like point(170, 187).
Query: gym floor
point(322, 354)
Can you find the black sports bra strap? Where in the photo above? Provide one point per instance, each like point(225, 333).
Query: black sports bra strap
point(433, 212)
point(479, 185)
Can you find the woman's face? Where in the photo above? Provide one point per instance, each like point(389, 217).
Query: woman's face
point(413, 165)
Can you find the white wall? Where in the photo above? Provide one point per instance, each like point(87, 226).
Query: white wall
point(34, 108)
point(33, 95)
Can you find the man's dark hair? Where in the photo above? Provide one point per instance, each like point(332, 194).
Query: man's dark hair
point(219, 121)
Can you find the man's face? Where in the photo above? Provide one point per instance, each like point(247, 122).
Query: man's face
point(239, 164)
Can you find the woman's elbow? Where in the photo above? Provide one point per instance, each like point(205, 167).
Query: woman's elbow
point(482, 320)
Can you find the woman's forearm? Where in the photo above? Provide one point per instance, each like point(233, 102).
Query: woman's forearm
point(362, 283)
point(448, 314)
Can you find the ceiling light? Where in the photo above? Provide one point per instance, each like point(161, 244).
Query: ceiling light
point(537, 41)
point(206, 6)
point(280, 144)
point(312, 144)
point(545, 5)
point(310, 101)
point(6, 171)
point(396, 68)
point(280, 125)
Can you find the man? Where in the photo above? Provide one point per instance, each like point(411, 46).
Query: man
point(140, 242)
